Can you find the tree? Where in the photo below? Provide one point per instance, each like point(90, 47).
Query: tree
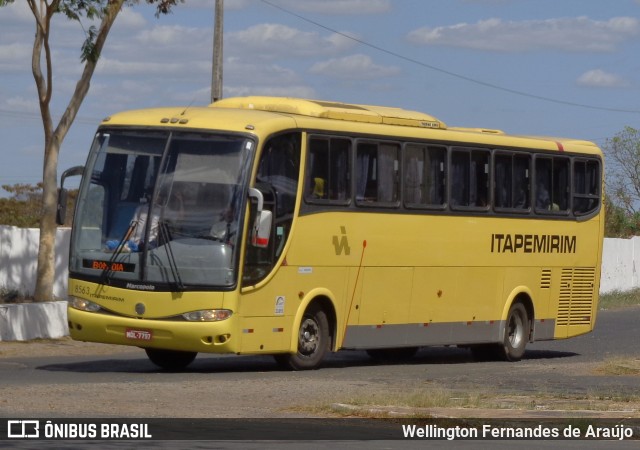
point(623, 171)
point(23, 208)
point(43, 11)
point(618, 222)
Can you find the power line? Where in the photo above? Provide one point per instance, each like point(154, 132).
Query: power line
point(36, 116)
point(450, 73)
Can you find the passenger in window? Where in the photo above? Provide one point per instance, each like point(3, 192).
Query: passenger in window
point(318, 188)
point(543, 201)
point(134, 237)
point(481, 201)
point(521, 200)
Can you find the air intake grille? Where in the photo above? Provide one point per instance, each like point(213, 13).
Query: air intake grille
point(576, 296)
point(545, 279)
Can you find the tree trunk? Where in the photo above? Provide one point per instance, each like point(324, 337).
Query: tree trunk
point(46, 250)
point(53, 140)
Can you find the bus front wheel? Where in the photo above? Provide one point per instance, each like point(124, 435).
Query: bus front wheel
point(313, 342)
point(170, 359)
point(516, 333)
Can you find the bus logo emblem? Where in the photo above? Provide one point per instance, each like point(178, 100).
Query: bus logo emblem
point(341, 243)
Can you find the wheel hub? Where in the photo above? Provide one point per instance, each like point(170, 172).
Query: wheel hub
point(308, 339)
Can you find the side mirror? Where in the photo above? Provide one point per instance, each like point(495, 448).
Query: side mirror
point(261, 229)
point(61, 212)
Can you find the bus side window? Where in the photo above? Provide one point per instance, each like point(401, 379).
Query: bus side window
point(377, 174)
point(469, 178)
point(586, 190)
point(552, 184)
point(280, 166)
point(511, 181)
point(424, 176)
point(328, 175)
point(521, 182)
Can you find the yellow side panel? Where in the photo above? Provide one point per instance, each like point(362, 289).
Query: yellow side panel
point(264, 334)
point(456, 294)
point(386, 295)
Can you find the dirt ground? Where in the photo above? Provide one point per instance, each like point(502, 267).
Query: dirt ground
point(56, 347)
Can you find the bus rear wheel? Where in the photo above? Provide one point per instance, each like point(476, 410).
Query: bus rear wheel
point(516, 333)
point(170, 359)
point(313, 342)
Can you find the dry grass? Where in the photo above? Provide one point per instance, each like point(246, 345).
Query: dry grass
point(619, 366)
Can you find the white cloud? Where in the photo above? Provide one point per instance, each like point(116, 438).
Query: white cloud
point(128, 18)
point(270, 40)
point(18, 12)
point(15, 56)
point(172, 36)
point(243, 72)
point(107, 66)
point(600, 78)
point(253, 78)
point(579, 34)
point(338, 7)
point(24, 105)
point(272, 91)
point(353, 67)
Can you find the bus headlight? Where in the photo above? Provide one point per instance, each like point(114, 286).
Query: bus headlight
point(83, 305)
point(208, 315)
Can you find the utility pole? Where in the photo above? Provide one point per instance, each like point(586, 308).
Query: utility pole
point(216, 74)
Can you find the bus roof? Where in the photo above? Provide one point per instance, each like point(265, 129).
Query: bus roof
point(334, 110)
point(266, 115)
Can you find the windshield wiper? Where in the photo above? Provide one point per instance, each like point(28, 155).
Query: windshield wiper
point(173, 266)
point(106, 272)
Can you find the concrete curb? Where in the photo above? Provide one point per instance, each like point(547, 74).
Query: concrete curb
point(26, 321)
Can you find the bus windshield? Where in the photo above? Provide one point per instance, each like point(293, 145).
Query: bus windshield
point(161, 209)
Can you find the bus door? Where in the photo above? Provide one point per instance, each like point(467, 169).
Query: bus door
point(277, 180)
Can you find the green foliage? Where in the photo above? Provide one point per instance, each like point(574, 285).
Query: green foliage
point(75, 9)
point(24, 207)
point(623, 169)
point(619, 223)
point(96, 10)
point(89, 50)
point(164, 6)
point(622, 205)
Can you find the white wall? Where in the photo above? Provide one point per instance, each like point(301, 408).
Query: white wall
point(19, 253)
point(19, 256)
point(620, 259)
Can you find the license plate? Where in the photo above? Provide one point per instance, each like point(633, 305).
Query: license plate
point(138, 335)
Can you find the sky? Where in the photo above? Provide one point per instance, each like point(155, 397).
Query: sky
point(567, 68)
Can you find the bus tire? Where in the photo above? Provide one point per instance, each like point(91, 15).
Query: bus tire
point(170, 359)
point(516, 333)
point(313, 342)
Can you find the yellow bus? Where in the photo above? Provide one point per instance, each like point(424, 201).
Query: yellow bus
point(294, 228)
